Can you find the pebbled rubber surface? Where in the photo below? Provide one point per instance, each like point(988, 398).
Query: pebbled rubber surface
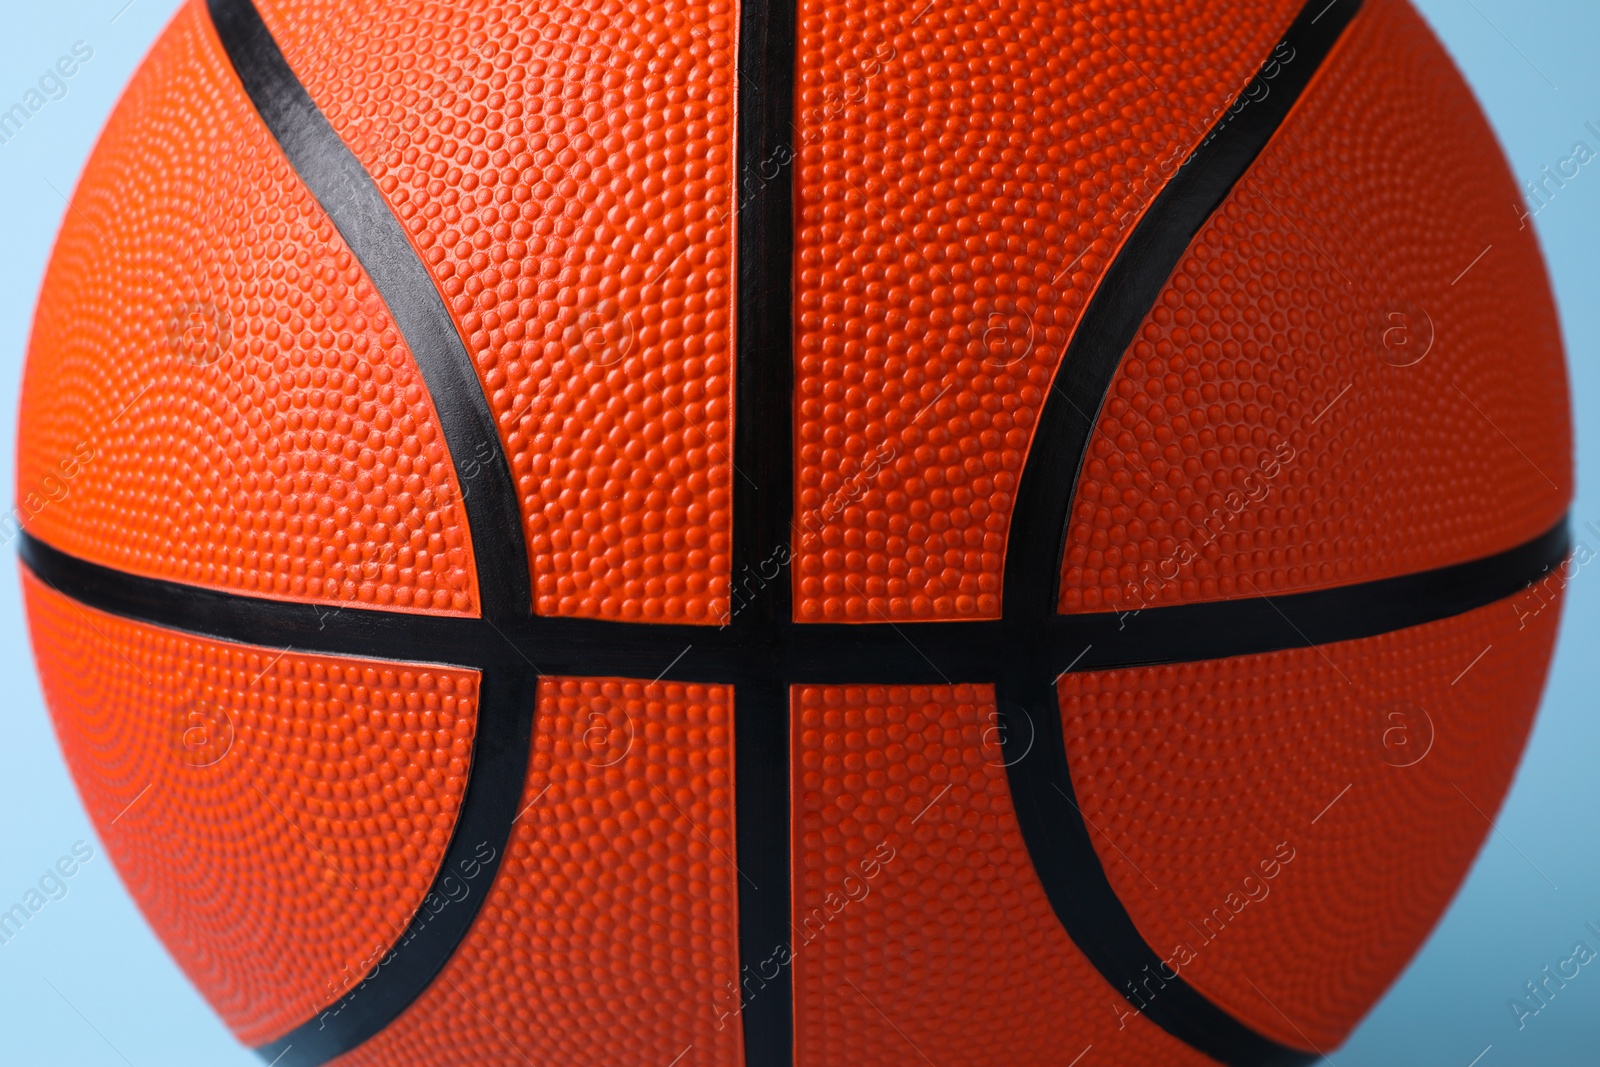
point(1322, 395)
point(610, 934)
point(1375, 764)
point(277, 816)
point(566, 172)
point(964, 176)
point(921, 932)
point(215, 393)
point(963, 179)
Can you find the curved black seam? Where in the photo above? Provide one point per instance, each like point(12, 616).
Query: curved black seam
point(762, 651)
point(1053, 828)
point(351, 199)
point(1131, 285)
point(421, 950)
point(823, 654)
point(876, 654)
point(815, 653)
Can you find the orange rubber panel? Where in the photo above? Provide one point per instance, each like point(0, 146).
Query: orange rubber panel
point(965, 175)
point(1287, 828)
point(1355, 372)
point(610, 935)
point(277, 816)
point(215, 393)
point(921, 933)
point(566, 170)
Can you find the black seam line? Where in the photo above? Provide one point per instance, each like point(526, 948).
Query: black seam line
point(921, 653)
point(760, 650)
point(1058, 841)
point(906, 654)
point(344, 189)
point(911, 653)
point(348, 194)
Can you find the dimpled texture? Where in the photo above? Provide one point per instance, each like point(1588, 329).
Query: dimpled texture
point(1377, 762)
point(919, 922)
point(278, 817)
point(1259, 437)
point(610, 935)
point(965, 175)
point(215, 393)
point(566, 172)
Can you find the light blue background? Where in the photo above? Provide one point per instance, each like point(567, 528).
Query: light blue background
point(85, 983)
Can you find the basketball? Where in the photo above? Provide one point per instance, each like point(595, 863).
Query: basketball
point(848, 533)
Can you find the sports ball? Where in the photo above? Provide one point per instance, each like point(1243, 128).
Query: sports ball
point(845, 533)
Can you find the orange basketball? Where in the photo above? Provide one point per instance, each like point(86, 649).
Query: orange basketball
point(699, 534)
